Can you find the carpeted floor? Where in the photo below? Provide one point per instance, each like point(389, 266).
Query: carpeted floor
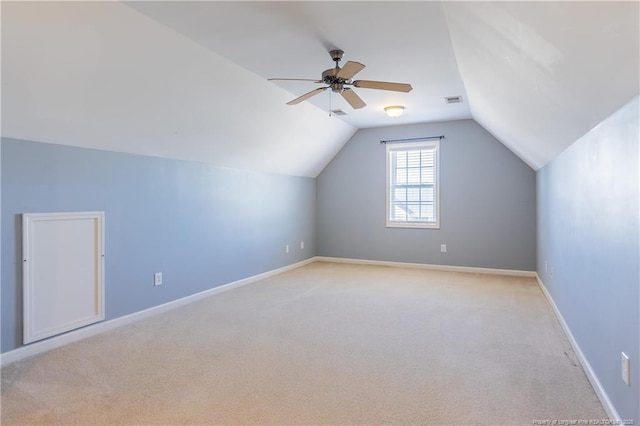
point(323, 344)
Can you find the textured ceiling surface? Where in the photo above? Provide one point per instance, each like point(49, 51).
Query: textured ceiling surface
point(188, 80)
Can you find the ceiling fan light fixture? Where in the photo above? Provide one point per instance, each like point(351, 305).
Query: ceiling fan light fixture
point(394, 110)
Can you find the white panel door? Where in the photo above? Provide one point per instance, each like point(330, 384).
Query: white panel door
point(63, 272)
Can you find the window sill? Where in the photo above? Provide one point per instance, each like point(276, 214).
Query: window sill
point(413, 225)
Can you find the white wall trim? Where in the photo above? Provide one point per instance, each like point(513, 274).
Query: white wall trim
point(92, 330)
point(449, 268)
point(591, 375)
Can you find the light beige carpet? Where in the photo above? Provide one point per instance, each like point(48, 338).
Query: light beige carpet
point(323, 344)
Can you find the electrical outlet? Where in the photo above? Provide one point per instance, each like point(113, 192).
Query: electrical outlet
point(301, 245)
point(626, 369)
point(286, 248)
point(157, 278)
point(443, 248)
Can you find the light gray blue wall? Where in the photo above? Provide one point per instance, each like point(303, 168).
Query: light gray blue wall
point(487, 202)
point(588, 236)
point(200, 225)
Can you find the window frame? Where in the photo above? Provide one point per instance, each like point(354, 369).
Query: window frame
point(425, 144)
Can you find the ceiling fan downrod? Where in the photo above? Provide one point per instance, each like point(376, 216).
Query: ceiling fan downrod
point(330, 76)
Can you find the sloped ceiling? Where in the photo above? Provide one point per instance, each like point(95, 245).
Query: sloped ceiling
point(397, 41)
point(188, 79)
point(539, 75)
point(101, 75)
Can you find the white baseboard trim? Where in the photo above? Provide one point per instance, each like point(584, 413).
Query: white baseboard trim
point(468, 269)
point(101, 327)
point(591, 375)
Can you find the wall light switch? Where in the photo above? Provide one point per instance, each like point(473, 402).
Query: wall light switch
point(626, 369)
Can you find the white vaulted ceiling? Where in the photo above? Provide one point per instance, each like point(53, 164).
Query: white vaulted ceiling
point(397, 41)
point(540, 75)
point(101, 75)
point(189, 79)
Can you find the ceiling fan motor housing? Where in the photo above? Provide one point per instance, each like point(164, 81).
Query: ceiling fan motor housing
point(329, 76)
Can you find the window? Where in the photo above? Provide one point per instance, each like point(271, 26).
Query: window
point(413, 194)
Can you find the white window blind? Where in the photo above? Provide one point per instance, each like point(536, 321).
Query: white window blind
point(412, 185)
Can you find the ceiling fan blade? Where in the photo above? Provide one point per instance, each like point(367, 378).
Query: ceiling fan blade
point(307, 95)
point(353, 99)
point(295, 79)
point(349, 70)
point(383, 85)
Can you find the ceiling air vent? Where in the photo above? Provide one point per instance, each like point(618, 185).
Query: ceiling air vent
point(453, 99)
point(338, 112)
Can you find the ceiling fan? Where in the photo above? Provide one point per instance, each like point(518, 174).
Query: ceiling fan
point(337, 78)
